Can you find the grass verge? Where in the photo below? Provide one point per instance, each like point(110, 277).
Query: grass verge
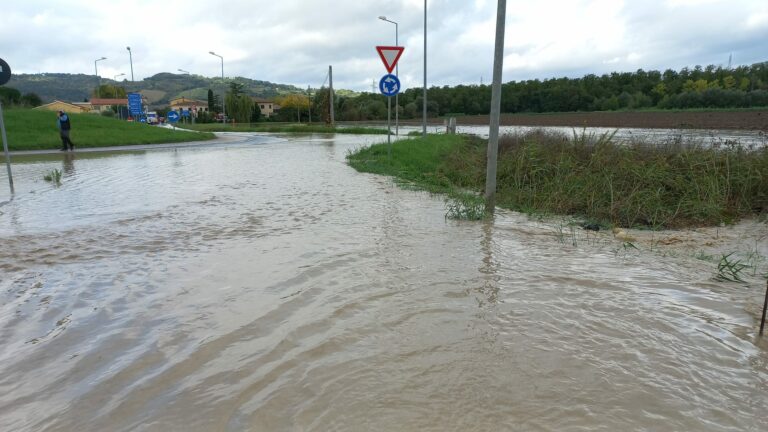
point(36, 130)
point(284, 128)
point(592, 177)
point(422, 164)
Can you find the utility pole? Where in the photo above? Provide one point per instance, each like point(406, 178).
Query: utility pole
point(330, 86)
point(424, 99)
point(493, 138)
point(309, 96)
point(5, 147)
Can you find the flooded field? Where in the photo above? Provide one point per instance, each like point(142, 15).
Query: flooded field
point(262, 284)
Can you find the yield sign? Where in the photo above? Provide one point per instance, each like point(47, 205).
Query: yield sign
point(390, 55)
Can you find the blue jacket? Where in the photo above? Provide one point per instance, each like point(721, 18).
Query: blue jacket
point(64, 123)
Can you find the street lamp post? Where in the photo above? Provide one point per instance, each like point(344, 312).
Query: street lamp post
point(96, 69)
point(130, 58)
point(397, 72)
point(115, 80)
point(183, 71)
point(223, 98)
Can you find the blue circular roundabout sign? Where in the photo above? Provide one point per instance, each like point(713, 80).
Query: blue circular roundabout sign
point(389, 85)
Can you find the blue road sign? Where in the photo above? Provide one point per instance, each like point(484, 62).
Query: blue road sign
point(173, 116)
point(389, 85)
point(185, 113)
point(5, 72)
point(134, 103)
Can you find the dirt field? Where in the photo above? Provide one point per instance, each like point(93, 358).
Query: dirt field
point(743, 120)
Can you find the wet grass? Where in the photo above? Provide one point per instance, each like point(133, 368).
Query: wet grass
point(421, 164)
point(54, 176)
point(284, 128)
point(36, 130)
point(589, 176)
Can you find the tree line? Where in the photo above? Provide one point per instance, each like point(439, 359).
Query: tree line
point(700, 87)
point(10, 97)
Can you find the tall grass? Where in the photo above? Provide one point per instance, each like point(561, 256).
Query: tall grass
point(665, 185)
point(590, 176)
point(36, 130)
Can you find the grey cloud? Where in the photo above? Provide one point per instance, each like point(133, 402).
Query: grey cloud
point(294, 41)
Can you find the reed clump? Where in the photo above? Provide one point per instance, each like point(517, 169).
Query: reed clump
point(635, 184)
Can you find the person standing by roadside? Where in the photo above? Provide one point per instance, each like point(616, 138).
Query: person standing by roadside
point(64, 127)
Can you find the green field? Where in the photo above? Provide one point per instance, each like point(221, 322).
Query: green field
point(36, 130)
point(587, 176)
point(284, 128)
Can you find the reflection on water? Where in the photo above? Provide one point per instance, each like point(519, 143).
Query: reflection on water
point(268, 286)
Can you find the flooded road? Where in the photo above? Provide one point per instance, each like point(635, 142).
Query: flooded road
point(264, 285)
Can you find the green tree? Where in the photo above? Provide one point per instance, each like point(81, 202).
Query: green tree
point(297, 103)
point(31, 100)
point(239, 106)
point(211, 101)
point(9, 96)
point(255, 113)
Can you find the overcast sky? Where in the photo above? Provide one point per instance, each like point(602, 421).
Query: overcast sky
point(294, 41)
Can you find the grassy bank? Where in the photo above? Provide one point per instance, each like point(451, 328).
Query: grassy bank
point(589, 176)
point(36, 130)
point(284, 128)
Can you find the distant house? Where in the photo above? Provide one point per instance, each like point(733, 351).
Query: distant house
point(267, 107)
point(100, 105)
point(193, 105)
point(67, 107)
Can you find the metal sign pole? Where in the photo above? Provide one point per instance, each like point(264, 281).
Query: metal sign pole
point(389, 125)
point(5, 148)
point(765, 306)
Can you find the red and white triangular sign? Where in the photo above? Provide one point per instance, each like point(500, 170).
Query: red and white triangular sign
point(390, 55)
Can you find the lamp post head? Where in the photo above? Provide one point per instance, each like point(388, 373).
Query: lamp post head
point(128, 48)
point(382, 17)
point(103, 58)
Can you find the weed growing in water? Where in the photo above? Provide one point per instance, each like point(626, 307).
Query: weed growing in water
point(465, 206)
point(53, 176)
point(729, 269)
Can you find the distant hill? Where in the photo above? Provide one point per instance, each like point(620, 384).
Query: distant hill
point(159, 89)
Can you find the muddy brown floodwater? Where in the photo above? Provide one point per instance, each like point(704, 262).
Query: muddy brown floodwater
point(262, 284)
